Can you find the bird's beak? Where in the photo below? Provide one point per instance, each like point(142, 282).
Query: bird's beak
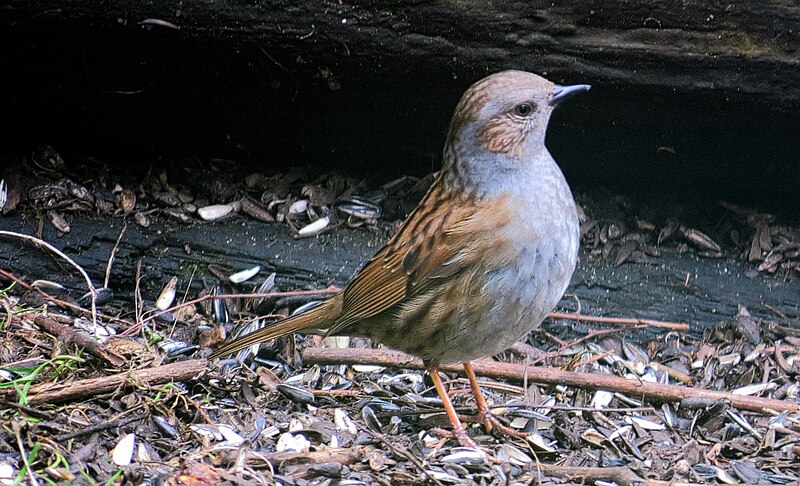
point(560, 93)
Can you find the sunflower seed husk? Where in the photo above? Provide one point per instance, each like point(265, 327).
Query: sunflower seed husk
point(463, 455)
point(601, 399)
point(511, 454)
point(46, 284)
point(231, 437)
point(58, 221)
point(344, 422)
point(371, 419)
point(142, 220)
point(289, 442)
point(644, 423)
point(731, 359)
point(206, 430)
point(122, 455)
point(147, 453)
point(538, 441)
point(244, 275)
point(296, 394)
point(700, 239)
point(255, 211)
point(755, 389)
point(164, 426)
point(167, 295)
point(216, 211)
point(298, 207)
point(315, 228)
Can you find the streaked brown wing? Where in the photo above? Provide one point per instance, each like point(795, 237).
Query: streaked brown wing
point(441, 238)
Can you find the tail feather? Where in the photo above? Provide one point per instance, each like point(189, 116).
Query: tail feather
point(315, 318)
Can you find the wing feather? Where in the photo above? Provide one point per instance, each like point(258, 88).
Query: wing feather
point(438, 241)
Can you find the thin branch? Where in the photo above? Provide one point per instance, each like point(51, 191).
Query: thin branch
point(675, 326)
point(62, 392)
point(344, 455)
point(59, 302)
point(404, 453)
point(109, 424)
point(113, 254)
point(16, 425)
point(589, 475)
point(40, 242)
point(69, 335)
point(551, 376)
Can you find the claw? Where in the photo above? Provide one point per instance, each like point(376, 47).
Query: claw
point(484, 414)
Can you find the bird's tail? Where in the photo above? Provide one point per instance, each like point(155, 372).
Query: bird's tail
point(315, 318)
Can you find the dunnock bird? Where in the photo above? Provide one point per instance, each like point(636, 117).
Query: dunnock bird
point(485, 256)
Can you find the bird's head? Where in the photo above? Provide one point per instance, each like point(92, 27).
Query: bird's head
point(500, 121)
point(506, 111)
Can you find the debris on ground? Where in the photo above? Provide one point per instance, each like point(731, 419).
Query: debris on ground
point(92, 392)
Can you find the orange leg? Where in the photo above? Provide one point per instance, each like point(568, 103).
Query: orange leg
point(485, 414)
point(458, 428)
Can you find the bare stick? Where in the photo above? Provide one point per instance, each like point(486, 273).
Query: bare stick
point(114, 254)
point(675, 326)
point(588, 475)
point(346, 455)
point(58, 302)
point(63, 392)
point(16, 426)
point(40, 242)
point(404, 453)
point(618, 475)
point(552, 376)
point(110, 424)
point(72, 336)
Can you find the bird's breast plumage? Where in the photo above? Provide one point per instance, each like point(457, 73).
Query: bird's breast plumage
point(523, 269)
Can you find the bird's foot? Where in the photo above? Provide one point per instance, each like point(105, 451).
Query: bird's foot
point(460, 435)
point(484, 413)
point(490, 422)
point(464, 440)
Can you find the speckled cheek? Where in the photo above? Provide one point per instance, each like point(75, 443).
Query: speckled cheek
point(502, 135)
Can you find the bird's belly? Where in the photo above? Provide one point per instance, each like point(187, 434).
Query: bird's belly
point(522, 296)
point(503, 305)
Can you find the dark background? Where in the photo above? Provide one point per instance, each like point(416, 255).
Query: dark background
point(133, 95)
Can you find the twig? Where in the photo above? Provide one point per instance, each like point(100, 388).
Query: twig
point(16, 426)
point(589, 336)
point(345, 455)
point(589, 475)
point(781, 359)
point(404, 453)
point(137, 300)
point(113, 255)
point(71, 336)
point(617, 475)
point(552, 376)
point(62, 392)
point(675, 326)
point(58, 302)
point(6, 302)
point(274, 61)
point(199, 409)
point(672, 372)
point(110, 424)
point(526, 350)
point(33, 412)
point(40, 242)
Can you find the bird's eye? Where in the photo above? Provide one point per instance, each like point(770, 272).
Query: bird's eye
point(523, 109)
